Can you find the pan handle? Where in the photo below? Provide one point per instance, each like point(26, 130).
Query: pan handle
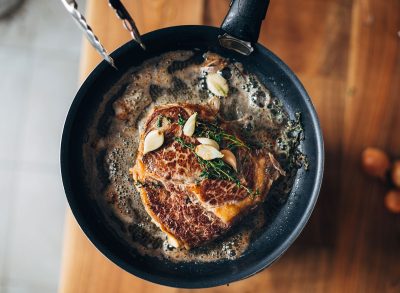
point(242, 24)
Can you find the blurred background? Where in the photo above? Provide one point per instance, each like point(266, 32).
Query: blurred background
point(346, 53)
point(39, 60)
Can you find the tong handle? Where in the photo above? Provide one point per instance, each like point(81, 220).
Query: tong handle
point(72, 7)
point(127, 20)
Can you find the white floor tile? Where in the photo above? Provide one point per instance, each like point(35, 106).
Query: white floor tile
point(18, 29)
point(28, 288)
point(54, 85)
point(7, 193)
point(34, 247)
point(16, 73)
point(42, 24)
point(57, 30)
point(39, 58)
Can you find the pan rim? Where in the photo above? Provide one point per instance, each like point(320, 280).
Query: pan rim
point(242, 274)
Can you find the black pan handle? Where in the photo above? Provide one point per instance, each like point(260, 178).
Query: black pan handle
point(243, 23)
point(244, 18)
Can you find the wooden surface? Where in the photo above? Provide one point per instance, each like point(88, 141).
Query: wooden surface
point(347, 54)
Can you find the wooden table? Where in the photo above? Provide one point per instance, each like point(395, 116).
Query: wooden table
point(347, 54)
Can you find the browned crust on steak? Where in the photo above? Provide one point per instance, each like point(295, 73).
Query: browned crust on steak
point(178, 163)
point(192, 210)
point(173, 210)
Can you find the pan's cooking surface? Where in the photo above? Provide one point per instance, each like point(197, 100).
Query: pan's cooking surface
point(289, 218)
point(180, 77)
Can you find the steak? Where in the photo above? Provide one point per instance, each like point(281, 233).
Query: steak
point(191, 207)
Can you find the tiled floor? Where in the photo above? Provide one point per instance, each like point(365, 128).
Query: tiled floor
point(39, 55)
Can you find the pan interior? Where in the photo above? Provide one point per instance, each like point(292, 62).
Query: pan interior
point(287, 218)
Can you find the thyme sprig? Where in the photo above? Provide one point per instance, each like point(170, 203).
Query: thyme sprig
point(181, 121)
point(216, 168)
point(213, 131)
point(159, 120)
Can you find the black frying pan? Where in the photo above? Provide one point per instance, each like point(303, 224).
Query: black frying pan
point(286, 221)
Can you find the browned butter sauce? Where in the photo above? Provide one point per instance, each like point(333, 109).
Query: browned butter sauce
point(173, 77)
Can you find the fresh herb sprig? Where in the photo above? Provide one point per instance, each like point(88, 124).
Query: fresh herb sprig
point(216, 168)
point(181, 121)
point(213, 131)
point(159, 120)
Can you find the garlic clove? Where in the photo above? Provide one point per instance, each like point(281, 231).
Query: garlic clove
point(153, 140)
point(207, 152)
point(217, 84)
point(215, 103)
point(190, 125)
point(208, 141)
point(229, 158)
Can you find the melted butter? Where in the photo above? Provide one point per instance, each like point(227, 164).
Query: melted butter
point(111, 149)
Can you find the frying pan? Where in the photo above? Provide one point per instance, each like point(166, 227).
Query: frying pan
point(238, 33)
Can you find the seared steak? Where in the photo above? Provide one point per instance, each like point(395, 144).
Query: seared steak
point(188, 204)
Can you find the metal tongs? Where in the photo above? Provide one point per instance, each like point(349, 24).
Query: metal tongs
point(122, 13)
